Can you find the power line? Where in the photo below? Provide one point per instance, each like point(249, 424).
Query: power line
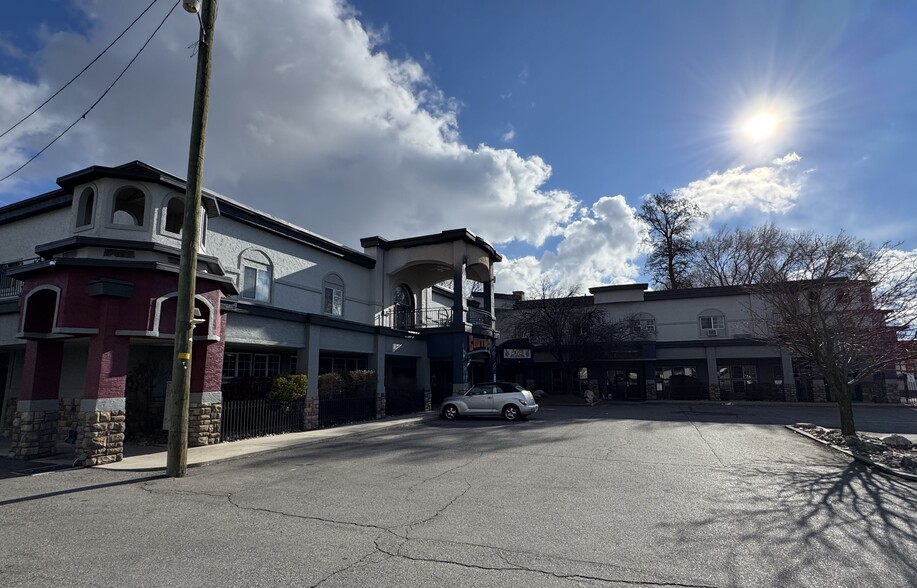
point(82, 71)
point(112, 85)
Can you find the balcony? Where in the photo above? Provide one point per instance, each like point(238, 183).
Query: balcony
point(402, 319)
point(9, 286)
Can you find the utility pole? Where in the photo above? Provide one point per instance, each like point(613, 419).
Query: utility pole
point(177, 457)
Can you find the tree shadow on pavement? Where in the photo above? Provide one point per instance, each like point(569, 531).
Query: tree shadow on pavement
point(818, 526)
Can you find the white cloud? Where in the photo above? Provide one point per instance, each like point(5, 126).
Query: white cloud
point(309, 120)
point(509, 135)
point(773, 188)
point(598, 247)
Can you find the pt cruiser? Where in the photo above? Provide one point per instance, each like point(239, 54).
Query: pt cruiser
point(493, 398)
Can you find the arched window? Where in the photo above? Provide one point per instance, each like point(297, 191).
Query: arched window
point(175, 215)
point(643, 324)
point(333, 295)
point(129, 207)
point(404, 307)
point(257, 273)
point(86, 207)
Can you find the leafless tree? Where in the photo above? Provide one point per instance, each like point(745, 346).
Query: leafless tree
point(738, 257)
point(844, 307)
point(671, 222)
point(567, 324)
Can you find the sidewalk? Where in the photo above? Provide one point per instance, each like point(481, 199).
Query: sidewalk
point(155, 459)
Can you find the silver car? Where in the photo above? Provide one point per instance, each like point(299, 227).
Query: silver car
point(493, 398)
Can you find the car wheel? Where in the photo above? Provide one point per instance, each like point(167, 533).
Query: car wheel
point(511, 412)
point(450, 413)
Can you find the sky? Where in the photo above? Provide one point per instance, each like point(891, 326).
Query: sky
point(539, 125)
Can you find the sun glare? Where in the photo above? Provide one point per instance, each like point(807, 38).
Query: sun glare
point(760, 126)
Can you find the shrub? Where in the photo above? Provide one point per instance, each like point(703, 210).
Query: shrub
point(288, 387)
point(362, 382)
point(330, 385)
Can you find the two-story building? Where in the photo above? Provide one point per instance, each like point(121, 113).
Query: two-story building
point(88, 280)
point(689, 344)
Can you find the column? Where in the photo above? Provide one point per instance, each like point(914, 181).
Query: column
point(34, 429)
point(818, 390)
point(308, 358)
point(423, 378)
point(205, 406)
point(459, 366)
point(100, 433)
point(458, 298)
point(377, 363)
point(789, 382)
point(892, 394)
point(713, 381)
point(489, 301)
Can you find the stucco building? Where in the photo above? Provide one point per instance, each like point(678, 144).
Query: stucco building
point(88, 280)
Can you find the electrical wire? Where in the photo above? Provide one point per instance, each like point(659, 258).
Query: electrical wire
point(82, 71)
point(112, 85)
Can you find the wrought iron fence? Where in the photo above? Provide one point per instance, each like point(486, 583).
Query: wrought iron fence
point(242, 419)
point(341, 410)
point(406, 319)
point(480, 318)
point(10, 287)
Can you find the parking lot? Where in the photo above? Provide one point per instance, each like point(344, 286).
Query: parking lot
point(612, 495)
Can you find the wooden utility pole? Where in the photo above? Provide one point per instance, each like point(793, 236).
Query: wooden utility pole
point(177, 457)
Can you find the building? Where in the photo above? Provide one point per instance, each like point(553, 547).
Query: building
point(88, 280)
point(690, 344)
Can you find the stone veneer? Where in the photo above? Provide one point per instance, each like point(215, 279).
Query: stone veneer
point(204, 420)
point(818, 391)
point(100, 436)
point(892, 394)
point(428, 399)
point(651, 390)
point(34, 429)
point(69, 418)
point(380, 405)
point(310, 413)
point(715, 392)
point(9, 414)
point(789, 394)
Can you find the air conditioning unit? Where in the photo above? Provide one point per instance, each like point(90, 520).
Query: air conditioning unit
point(712, 332)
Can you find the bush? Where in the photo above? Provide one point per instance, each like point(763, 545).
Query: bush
point(362, 382)
point(289, 387)
point(330, 385)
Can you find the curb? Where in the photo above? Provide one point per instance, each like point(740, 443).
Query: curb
point(380, 425)
point(857, 456)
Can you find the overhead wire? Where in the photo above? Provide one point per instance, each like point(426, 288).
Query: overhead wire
point(123, 71)
point(82, 71)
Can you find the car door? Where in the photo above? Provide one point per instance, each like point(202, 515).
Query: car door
point(480, 399)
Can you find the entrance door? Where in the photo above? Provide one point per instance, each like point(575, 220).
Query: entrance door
point(624, 384)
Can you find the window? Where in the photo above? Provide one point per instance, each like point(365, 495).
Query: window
point(333, 302)
point(256, 276)
point(341, 365)
point(175, 215)
point(292, 364)
point(712, 325)
point(259, 365)
point(129, 208)
point(86, 208)
point(644, 325)
point(404, 307)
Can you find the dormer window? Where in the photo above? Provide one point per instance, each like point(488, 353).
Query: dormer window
point(129, 208)
point(257, 274)
point(175, 215)
point(86, 208)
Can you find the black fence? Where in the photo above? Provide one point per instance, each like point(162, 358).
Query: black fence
point(398, 402)
point(346, 409)
point(242, 419)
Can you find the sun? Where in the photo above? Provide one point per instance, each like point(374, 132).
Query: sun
point(761, 126)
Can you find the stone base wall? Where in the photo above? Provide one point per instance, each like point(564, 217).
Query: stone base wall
point(818, 392)
point(789, 394)
point(715, 392)
point(310, 414)
point(380, 406)
point(100, 438)
point(428, 400)
point(892, 394)
point(6, 429)
point(204, 423)
point(69, 418)
point(34, 434)
point(650, 390)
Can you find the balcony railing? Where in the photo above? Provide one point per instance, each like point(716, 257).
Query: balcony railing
point(403, 319)
point(9, 286)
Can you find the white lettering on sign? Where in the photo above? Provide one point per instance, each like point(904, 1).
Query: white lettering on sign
point(517, 354)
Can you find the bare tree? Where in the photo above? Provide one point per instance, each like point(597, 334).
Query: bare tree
point(567, 324)
point(844, 307)
point(671, 221)
point(740, 257)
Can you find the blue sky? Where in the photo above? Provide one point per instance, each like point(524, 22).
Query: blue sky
point(540, 125)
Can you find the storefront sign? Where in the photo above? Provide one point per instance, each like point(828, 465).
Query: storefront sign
point(517, 354)
point(475, 343)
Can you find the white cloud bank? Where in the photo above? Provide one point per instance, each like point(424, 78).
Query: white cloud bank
point(312, 122)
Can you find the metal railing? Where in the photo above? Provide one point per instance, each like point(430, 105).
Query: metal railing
point(346, 409)
point(404, 319)
point(480, 318)
point(242, 419)
point(11, 287)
